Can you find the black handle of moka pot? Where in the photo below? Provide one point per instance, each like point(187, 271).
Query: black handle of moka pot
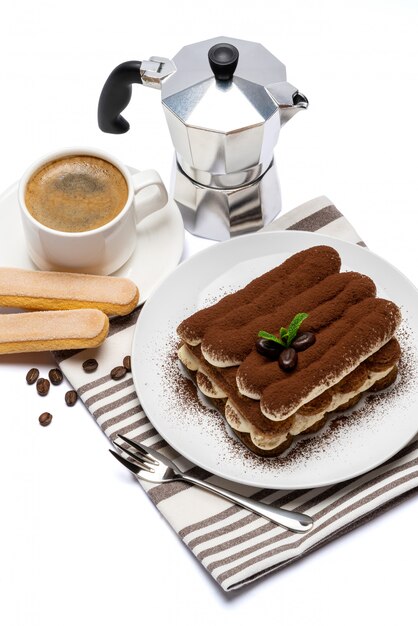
point(115, 97)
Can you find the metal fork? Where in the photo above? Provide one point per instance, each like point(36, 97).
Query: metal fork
point(155, 467)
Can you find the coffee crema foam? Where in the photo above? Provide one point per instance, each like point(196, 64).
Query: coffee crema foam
point(76, 193)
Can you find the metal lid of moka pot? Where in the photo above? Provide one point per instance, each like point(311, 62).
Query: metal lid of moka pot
point(195, 90)
point(225, 103)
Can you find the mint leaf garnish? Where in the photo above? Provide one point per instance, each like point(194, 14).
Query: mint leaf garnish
point(286, 335)
point(294, 326)
point(271, 337)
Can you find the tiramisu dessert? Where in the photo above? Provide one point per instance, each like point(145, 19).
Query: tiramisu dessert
point(300, 341)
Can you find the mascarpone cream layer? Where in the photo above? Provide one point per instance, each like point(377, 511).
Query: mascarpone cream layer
point(300, 422)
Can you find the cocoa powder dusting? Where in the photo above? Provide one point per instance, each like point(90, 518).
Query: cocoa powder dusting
point(297, 273)
point(189, 405)
point(325, 301)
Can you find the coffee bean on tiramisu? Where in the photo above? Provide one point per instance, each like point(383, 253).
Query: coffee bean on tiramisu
point(90, 365)
point(303, 341)
point(118, 372)
point(288, 359)
point(32, 376)
point(127, 363)
point(71, 397)
point(42, 386)
point(45, 419)
point(55, 376)
point(268, 348)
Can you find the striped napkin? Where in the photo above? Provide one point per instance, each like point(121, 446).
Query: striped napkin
point(235, 546)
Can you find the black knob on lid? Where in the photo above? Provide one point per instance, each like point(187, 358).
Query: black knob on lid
point(223, 59)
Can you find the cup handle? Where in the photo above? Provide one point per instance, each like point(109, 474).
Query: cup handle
point(154, 199)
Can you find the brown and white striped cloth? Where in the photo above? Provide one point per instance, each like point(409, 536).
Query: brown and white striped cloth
point(235, 546)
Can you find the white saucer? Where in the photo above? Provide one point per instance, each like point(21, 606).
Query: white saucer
point(158, 251)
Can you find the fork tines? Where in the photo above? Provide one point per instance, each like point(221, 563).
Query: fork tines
point(141, 448)
point(141, 456)
point(132, 467)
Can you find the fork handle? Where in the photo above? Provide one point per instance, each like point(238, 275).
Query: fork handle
point(297, 522)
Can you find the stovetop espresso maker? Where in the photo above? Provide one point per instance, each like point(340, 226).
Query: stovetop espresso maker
point(225, 101)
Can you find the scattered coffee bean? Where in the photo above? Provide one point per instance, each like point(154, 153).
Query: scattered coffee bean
point(268, 348)
point(127, 363)
point(32, 376)
point(90, 365)
point(42, 386)
point(55, 376)
point(288, 359)
point(45, 419)
point(118, 372)
point(71, 397)
point(303, 341)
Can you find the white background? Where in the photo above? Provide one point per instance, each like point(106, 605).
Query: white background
point(79, 541)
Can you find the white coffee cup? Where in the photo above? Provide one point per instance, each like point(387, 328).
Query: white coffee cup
point(102, 250)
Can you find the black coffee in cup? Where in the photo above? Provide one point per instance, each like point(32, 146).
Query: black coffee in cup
point(76, 193)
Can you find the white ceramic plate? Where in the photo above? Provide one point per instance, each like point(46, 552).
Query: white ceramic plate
point(363, 440)
point(158, 251)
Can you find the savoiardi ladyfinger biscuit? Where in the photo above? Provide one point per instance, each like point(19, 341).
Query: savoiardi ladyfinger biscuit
point(42, 291)
point(52, 330)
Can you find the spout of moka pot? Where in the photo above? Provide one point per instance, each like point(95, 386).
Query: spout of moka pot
point(288, 99)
